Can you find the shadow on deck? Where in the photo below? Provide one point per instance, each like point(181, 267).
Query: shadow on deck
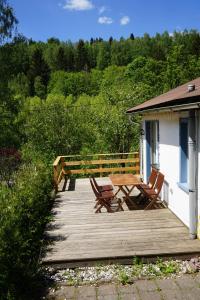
point(81, 237)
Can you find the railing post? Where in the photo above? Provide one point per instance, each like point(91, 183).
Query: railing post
point(62, 160)
point(123, 164)
point(55, 176)
point(100, 166)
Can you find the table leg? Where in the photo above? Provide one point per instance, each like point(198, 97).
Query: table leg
point(117, 191)
point(127, 194)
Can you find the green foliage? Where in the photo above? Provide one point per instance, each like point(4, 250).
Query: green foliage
point(180, 67)
point(24, 211)
point(63, 98)
point(103, 58)
point(7, 20)
point(121, 52)
point(147, 71)
point(38, 67)
point(81, 57)
point(39, 87)
point(75, 84)
point(168, 267)
point(123, 277)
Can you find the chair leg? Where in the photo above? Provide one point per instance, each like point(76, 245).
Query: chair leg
point(98, 209)
point(102, 203)
point(119, 208)
point(152, 201)
point(96, 205)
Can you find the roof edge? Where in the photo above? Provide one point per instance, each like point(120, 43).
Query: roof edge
point(180, 107)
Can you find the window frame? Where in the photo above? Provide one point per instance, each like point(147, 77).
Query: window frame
point(183, 154)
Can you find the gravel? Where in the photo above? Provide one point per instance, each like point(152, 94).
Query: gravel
point(123, 273)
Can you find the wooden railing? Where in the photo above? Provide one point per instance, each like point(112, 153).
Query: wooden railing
point(95, 164)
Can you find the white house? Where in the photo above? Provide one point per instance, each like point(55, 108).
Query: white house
point(170, 141)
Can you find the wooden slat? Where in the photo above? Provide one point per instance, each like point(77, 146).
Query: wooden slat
point(101, 162)
point(60, 176)
point(103, 154)
point(56, 162)
point(102, 170)
point(81, 235)
point(132, 158)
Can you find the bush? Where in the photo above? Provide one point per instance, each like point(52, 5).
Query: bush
point(24, 212)
point(9, 162)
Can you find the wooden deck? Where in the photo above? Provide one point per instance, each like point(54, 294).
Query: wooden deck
point(81, 236)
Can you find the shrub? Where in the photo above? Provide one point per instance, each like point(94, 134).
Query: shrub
point(24, 211)
point(9, 162)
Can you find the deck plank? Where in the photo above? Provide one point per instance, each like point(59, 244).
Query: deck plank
point(80, 234)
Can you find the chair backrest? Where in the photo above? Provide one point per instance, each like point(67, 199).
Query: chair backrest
point(95, 182)
point(97, 194)
point(152, 177)
point(159, 183)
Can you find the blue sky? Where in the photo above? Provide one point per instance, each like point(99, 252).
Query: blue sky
point(75, 19)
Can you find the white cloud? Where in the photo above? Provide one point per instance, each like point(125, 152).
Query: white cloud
point(124, 20)
point(102, 9)
point(78, 5)
point(105, 20)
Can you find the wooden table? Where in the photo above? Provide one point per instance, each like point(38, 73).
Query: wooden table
point(125, 184)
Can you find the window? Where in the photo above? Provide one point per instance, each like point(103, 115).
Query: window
point(184, 151)
point(155, 144)
point(152, 146)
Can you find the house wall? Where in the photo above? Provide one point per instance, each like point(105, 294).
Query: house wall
point(198, 179)
point(169, 156)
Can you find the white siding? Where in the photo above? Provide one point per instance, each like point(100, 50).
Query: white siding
point(198, 180)
point(177, 199)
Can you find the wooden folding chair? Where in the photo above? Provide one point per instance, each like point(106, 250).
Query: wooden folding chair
point(101, 188)
point(152, 195)
point(107, 200)
point(151, 181)
point(141, 197)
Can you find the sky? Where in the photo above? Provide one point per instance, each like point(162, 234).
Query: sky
point(75, 19)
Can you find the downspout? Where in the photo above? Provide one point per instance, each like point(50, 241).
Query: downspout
point(141, 150)
point(193, 218)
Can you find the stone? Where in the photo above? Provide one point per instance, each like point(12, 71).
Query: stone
point(126, 289)
point(107, 289)
point(83, 292)
point(166, 284)
point(186, 282)
point(64, 293)
point(145, 285)
point(173, 295)
point(151, 296)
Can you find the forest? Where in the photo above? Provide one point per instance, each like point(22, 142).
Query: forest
point(61, 98)
point(67, 98)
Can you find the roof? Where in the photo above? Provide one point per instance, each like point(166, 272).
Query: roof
point(177, 96)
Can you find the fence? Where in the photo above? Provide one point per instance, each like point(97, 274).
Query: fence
point(95, 164)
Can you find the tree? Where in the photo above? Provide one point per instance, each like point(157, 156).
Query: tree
point(8, 106)
point(120, 53)
point(61, 59)
point(103, 57)
point(38, 67)
point(39, 87)
point(53, 40)
point(8, 20)
point(110, 40)
point(132, 37)
point(81, 56)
